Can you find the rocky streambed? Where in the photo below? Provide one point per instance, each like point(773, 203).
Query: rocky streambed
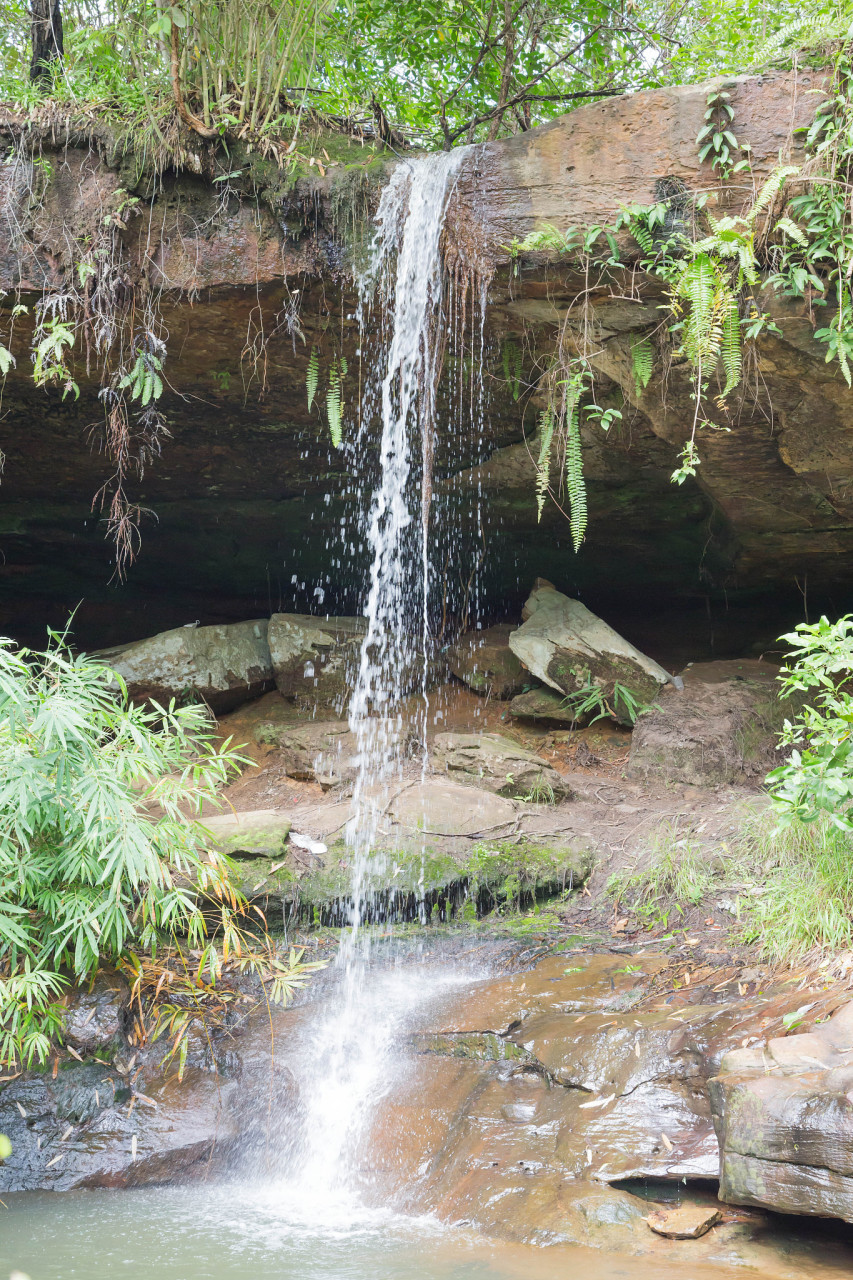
point(549, 1093)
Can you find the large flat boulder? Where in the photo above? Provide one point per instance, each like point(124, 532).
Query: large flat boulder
point(498, 764)
point(223, 666)
point(720, 729)
point(570, 649)
point(485, 662)
point(315, 660)
point(784, 1118)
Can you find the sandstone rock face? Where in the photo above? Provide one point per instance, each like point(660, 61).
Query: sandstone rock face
point(325, 751)
point(720, 729)
point(498, 764)
point(784, 1119)
point(315, 659)
point(486, 663)
point(223, 665)
point(438, 807)
point(523, 1095)
point(130, 1122)
point(566, 646)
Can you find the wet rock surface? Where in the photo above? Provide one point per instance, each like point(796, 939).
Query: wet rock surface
point(221, 665)
point(720, 729)
point(129, 1121)
point(315, 659)
point(784, 1116)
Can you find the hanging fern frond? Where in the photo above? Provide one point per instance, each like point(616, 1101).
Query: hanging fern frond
point(334, 406)
point(771, 189)
point(642, 362)
point(312, 376)
point(732, 347)
point(543, 466)
point(511, 359)
point(575, 483)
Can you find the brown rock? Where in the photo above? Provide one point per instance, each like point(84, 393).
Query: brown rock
point(498, 764)
point(721, 729)
point(484, 661)
point(687, 1222)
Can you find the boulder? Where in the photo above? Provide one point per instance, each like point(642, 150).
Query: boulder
point(94, 1017)
point(484, 661)
point(257, 833)
point(436, 807)
point(498, 764)
point(324, 751)
point(221, 665)
point(783, 1112)
point(566, 646)
point(542, 704)
point(316, 659)
point(721, 729)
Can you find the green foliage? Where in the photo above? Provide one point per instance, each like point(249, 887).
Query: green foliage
point(53, 342)
point(817, 779)
point(98, 847)
point(559, 424)
point(334, 399)
point(143, 381)
point(642, 364)
point(591, 703)
point(511, 360)
point(796, 887)
point(668, 878)
point(5, 1147)
point(715, 139)
point(312, 377)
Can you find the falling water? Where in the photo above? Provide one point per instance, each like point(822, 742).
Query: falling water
point(403, 279)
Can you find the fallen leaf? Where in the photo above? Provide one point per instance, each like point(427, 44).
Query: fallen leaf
point(67, 1134)
point(666, 1142)
point(22, 1111)
point(74, 1053)
point(55, 1160)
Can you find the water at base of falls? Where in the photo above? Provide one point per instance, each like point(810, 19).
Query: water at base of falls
point(238, 1233)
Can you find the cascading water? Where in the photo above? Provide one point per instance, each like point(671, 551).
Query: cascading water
point(403, 277)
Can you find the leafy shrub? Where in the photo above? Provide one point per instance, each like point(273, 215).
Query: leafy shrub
point(98, 852)
point(817, 778)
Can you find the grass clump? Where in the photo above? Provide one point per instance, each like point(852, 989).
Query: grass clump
point(673, 876)
point(800, 897)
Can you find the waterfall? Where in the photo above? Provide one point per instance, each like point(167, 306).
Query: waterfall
point(403, 282)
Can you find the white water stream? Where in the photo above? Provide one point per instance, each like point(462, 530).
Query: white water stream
point(345, 1069)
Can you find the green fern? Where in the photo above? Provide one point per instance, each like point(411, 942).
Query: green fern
point(334, 400)
point(732, 347)
point(575, 483)
point(543, 466)
point(312, 376)
point(511, 358)
point(642, 362)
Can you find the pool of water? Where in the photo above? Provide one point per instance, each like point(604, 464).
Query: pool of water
point(224, 1233)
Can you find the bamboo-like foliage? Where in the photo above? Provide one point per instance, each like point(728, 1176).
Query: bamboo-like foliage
point(233, 62)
